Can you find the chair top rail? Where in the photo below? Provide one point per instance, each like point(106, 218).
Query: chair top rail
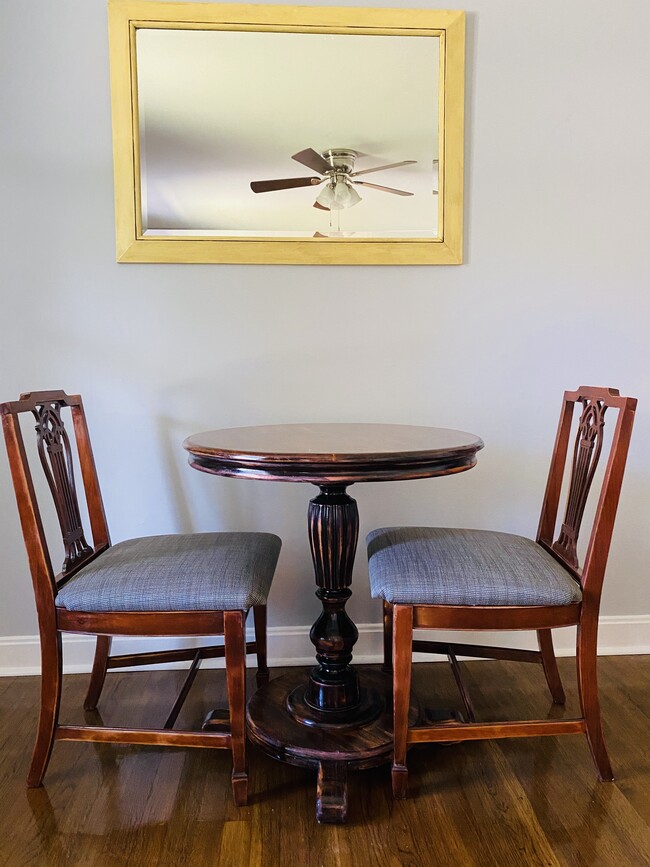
point(30, 400)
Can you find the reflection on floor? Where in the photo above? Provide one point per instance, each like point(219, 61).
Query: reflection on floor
point(517, 802)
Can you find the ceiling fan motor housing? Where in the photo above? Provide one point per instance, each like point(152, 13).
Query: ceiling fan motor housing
point(341, 159)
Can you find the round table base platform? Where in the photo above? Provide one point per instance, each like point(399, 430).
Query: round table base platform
point(330, 749)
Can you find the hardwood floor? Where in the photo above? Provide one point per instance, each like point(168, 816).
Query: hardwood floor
point(518, 802)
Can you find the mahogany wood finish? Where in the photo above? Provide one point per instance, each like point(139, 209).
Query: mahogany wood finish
point(405, 618)
point(333, 718)
point(328, 454)
point(549, 664)
point(387, 617)
point(172, 716)
point(98, 673)
point(55, 452)
point(333, 523)
point(470, 716)
point(259, 618)
point(152, 737)
point(325, 746)
point(332, 792)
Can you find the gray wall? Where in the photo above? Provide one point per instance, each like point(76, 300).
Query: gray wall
point(554, 294)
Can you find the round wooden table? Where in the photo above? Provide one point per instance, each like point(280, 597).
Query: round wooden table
point(337, 716)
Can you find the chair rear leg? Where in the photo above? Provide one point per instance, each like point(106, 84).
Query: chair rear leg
point(98, 674)
point(549, 664)
point(402, 664)
point(387, 667)
point(235, 641)
point(589, 701)
point(51, 674)
point(259, 618)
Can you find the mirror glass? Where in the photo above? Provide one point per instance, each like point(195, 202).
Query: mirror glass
point(295, 135)
point(219, 109)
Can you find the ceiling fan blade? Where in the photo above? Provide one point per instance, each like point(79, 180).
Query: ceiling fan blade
point(320, 207)
point(381, 168)
point(283, 184)
point(385, 189)
point(312, 160)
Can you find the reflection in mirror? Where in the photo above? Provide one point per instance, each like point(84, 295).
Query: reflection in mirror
point(218, 113)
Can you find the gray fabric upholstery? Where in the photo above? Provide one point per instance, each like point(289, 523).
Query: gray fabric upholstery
point(197, 572)
point(438, 566)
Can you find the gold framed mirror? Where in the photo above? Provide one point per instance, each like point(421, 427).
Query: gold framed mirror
point(287, 135)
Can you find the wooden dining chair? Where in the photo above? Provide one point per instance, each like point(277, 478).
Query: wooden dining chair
point(178, 585)
point(437, 578)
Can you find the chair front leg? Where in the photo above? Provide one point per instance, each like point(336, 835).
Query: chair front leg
point(51, 675)
point(402, 665)
point(259, 618)
point(98, 674)
point(235, 650)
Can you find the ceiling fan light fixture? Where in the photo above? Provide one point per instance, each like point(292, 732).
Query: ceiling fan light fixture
point(345, 195)
point(338, 195)
point(326, 198)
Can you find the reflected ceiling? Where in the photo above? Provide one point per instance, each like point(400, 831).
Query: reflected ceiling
point(219, 109)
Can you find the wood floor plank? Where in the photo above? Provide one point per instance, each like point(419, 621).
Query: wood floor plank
point(585, 820)
point(508, 803)
point(234, 850)
point(625, 684)
point(485, 805)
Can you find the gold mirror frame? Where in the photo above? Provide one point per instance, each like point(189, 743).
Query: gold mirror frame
point(127, 16)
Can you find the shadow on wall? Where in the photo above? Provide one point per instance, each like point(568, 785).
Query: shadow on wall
point(206, 503)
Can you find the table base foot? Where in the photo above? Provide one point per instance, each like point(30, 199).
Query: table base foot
point(329, 749)
point(332, 793)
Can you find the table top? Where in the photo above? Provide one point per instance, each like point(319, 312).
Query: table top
point(336, 453)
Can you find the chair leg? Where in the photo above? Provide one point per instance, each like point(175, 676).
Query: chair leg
point(549, 664)
point(259, 618)
point(402, 663)
point(588, 691)
point(51, 674)
point(387, 667)
point(98, 675)
point(235, 641)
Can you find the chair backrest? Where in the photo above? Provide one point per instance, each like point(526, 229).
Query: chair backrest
point(584, 459)
point(55, 453)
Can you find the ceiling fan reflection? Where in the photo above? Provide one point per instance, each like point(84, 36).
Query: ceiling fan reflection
point(336, 166)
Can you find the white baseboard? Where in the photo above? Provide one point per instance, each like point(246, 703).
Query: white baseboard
point(290, 645)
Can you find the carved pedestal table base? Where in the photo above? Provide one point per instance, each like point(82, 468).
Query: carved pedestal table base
point(337, 716)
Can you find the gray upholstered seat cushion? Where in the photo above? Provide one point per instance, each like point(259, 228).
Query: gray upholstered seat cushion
point(439, 566)
point(197, 572)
